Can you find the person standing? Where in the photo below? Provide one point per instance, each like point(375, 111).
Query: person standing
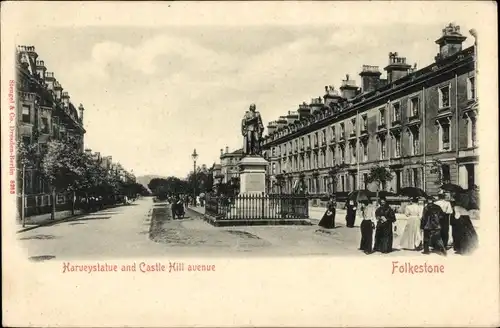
point(383, 235)
point(350, 217)
point(430, 223)
point(445, 219)
point(328, 219)
point(412, 235)
point(367, 226)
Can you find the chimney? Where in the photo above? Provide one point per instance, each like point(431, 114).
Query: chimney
point(370, 76)
point(65, 98)
point(221, 151)
point(281, 122)
point(292, 117)
point(348, 89)
point(397, 67)
point(450, 41)
point(41, 69)
point(331, 96)
point(316, 104)
point(304, 111)
point(271, 127)
point(49, 78)
point(227, 149)
point(81, 109)
point(57, 89)
point(88, 151)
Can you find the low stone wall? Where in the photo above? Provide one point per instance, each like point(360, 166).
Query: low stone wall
point(36, 219)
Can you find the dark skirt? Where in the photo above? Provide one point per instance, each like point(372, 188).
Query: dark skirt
point(328, 220)
point(464, 235)
point(366, 244)
point(350, 217)
point(383, 238)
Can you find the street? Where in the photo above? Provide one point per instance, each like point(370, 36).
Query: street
point(145, 229)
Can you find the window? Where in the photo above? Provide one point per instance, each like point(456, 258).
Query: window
point(353, 153)
point(26, 140)
point(316, 139)
point(444, 97)
point(416, 178)
point(324, 135)
point(365, 150)
point(382, 148)
point(274, 167)
point(444, 136)
point(342, 154)
point(353, 126)
point(332, 131)
point(397, 146)
point(471, 132)
point(445, 173)
point(26, 114)
point(414, 142)
point(414, 107)
point(365, 180)
point(308, 141)
point(45, 125)
point(274, 151)
point(471, 88)
point(342, 183)
point(342, 130)
point(364, 122)
point(381, 116)
point(396, 112)
point(324, 159)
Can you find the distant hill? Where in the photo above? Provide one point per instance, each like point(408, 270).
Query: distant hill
point(144, 179)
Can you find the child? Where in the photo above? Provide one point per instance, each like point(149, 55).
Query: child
point(367, 226)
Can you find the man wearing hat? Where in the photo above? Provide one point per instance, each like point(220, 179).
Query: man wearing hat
point(431, 218)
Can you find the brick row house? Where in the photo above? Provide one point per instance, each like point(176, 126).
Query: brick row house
point(419, 123)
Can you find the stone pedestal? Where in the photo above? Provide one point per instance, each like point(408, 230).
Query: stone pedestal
point(252, 175)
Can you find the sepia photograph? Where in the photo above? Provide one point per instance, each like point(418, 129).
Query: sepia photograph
point(143, 147)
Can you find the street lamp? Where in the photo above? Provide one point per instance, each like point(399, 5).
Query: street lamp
point(194, 156)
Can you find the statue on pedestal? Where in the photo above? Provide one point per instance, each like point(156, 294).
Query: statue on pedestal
point(252, 129)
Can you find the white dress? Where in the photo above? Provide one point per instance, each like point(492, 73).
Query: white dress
point(412, 235)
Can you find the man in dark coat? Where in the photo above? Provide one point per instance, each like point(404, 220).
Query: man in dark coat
point(431, 218)
point(383, 234)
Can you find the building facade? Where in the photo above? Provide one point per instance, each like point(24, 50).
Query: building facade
point(44, 111)
point(418, 123)
point(229, 168)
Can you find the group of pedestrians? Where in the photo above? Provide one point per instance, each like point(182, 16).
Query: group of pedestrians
point(92, 203)
point(428, 225)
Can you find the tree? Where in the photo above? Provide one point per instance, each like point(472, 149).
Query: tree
point(62, 167)
point(379, 175)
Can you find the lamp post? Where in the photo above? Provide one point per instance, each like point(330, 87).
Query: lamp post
point(194, 156)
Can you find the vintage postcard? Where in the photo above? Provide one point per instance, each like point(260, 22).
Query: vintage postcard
point(250, 164)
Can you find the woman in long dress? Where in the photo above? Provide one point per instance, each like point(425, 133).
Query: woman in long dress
point(464, 235)
point(367, 226)
point(383, 234)
point(328, 219)
point(412, 235)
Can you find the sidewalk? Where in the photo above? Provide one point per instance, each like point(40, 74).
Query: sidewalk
point(35, 221)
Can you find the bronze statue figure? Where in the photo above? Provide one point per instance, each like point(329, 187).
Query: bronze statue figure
point(252, 129)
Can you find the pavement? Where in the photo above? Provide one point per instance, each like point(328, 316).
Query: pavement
point(146, 229)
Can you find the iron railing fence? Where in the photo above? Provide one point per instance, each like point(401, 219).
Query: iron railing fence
point(258, 206)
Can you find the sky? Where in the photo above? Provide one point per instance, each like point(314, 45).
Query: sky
point(152, 94)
